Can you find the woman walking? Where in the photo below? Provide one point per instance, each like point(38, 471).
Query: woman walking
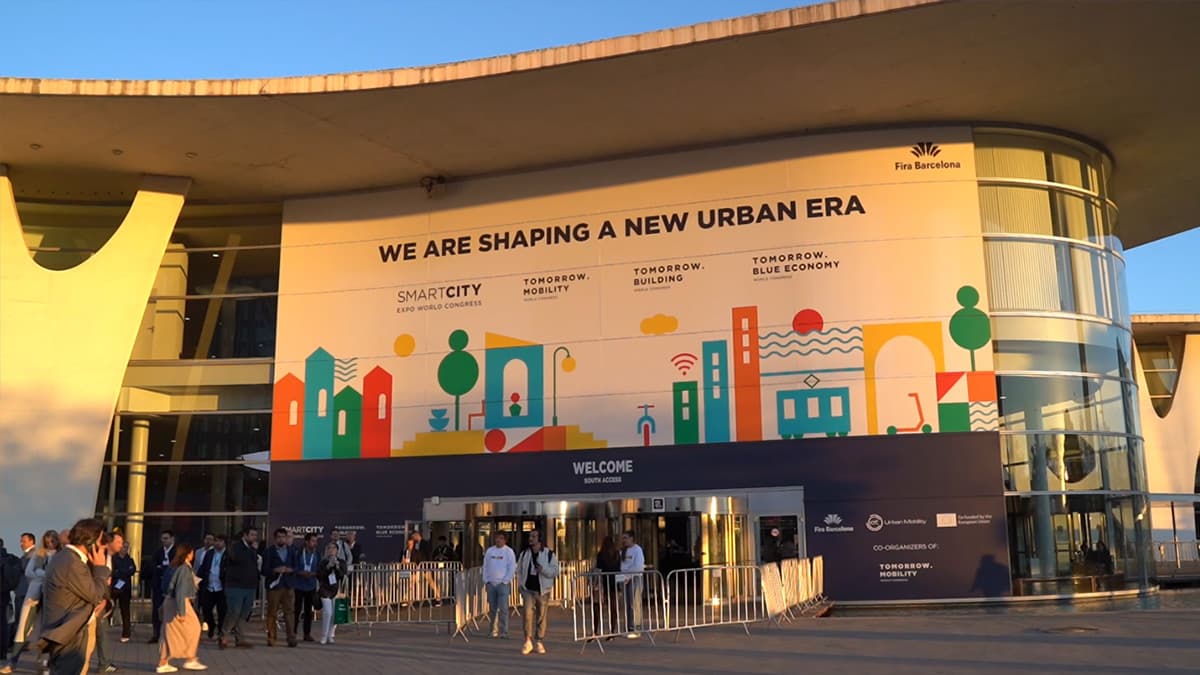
point(608, 562)
point(181, 627)
point(28, 620)
point(329, 577)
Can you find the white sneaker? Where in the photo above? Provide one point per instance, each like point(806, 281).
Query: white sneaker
point(634, 636)
point(166, 669)
point(194, 665)
point(324, 640)
point(541, 648)
point(528, 648)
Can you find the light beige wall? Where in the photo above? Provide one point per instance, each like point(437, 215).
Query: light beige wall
point(65, 339)
point(1173, 445)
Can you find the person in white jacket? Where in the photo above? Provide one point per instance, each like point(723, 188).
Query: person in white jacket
point(536, 571)
point(633, 568)
point(499, 567)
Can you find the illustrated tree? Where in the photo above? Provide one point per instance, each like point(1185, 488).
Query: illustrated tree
point(458, 372)
point(969, 326)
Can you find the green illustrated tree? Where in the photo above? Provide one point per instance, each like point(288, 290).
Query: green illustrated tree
point(969, 326)
point(458, 372)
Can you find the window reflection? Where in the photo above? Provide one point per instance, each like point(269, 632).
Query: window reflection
point(1068, 403)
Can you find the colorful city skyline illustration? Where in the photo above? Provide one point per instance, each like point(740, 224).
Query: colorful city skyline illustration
point(816, 379)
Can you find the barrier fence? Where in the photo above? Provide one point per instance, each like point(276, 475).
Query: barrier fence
point(606, 605)
point(603, 605)
point(715, 596)
point(411, 593)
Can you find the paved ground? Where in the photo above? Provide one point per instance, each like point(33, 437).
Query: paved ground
point(1164, 640)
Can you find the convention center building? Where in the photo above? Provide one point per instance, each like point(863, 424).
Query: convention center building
point(848, 277)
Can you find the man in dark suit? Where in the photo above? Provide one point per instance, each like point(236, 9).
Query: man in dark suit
point(159, 568)
point(212, 586)
point(241, 583)
point(76, 582)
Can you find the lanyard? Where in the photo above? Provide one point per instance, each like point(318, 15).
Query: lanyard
point(308, 561)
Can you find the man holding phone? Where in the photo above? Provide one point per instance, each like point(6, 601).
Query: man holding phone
point(76, 582)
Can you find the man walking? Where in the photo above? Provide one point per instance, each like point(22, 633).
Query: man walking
point(213, 604)
point(76, 582)
point(633, 567)
point(159, 568)
point(281, 579)
point(306, 584)
point(536, 571)
point(104, 612)
point(241, 583)
point(499, 566)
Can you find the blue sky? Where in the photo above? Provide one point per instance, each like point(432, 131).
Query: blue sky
point(180, 39)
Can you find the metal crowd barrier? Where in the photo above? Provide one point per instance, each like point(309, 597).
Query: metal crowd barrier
point(715, 596)
point(401, 593)
point(470, 601)
point(606, 605)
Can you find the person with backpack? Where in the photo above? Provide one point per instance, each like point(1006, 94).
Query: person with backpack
point(536, 571)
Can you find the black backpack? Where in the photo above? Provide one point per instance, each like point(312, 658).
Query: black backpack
point(10, 573)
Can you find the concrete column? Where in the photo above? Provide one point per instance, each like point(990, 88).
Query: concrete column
point(1043, 522)
point(139, 452)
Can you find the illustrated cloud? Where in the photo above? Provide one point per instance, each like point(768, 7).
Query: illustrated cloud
point(659, 324)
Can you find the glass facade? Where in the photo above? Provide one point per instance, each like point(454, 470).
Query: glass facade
point(1074, 468)
point(190, 439)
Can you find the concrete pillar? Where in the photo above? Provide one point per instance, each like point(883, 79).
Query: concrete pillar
point(1043, 522)
point(139, 452)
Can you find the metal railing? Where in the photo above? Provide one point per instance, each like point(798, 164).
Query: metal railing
point(606, 605)
point(715, 596)
point(401, 593)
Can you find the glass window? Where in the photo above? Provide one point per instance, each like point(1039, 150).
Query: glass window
point(228, 328)
point(1022, 209)
point(1054, 277)
point(192, 488)
point(1072, 462)
point(188, 437)
point(1061, 344)
point(1024, 275)
point(1067, 403)
point(228, 271)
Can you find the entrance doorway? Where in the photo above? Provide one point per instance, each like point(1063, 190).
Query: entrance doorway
point(675, 531)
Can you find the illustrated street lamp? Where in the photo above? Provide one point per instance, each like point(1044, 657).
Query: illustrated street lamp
point(568, 364)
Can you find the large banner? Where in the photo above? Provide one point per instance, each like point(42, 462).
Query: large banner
point(826, 286)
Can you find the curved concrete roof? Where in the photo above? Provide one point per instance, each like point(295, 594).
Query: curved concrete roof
point(1119, 72)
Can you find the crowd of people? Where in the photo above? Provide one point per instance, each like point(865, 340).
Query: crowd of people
point(59, 595)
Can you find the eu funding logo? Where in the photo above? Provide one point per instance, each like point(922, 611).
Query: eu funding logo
point(924, 152)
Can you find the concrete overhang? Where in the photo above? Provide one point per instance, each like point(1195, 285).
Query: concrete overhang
point(1162, 326)
point(1121, 73)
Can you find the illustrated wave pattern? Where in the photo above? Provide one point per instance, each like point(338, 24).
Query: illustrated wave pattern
point(345, 370)
point(984, 415)
point(814, 350)
point(852, 330)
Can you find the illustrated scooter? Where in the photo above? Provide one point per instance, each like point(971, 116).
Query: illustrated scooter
point(645, 424)
point(919, 426)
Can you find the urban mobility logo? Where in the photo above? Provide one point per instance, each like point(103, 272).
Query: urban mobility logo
point(925, 152)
